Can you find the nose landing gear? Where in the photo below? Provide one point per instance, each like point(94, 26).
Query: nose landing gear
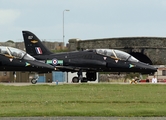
point(33, 77)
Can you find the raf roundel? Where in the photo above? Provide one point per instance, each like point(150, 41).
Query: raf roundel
point(54, 61)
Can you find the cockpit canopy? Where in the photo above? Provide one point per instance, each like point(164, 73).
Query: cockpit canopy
point(116, 54)
point(15, 53)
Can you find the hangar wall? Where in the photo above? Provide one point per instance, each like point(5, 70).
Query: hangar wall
point(153, 48)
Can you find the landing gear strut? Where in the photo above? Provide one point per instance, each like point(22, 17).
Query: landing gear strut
point(90, 76)
point(79, 78)
point(34, 77)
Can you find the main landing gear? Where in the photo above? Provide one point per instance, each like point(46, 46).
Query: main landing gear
point(90, 76)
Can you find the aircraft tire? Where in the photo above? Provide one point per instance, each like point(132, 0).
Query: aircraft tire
point(33, 81)
point(75, 80)
point(84, 80)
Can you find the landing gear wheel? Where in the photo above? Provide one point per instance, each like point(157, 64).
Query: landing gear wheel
point(33, 81)
point(84, 80)
point(75, 80)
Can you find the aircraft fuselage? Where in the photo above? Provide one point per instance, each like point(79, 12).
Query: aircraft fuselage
point(92, 61)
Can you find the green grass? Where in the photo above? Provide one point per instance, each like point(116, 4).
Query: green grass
point(83, 100)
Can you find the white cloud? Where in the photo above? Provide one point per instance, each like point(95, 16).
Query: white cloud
point(8, 16)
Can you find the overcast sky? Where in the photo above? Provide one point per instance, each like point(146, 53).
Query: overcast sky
point(87, 19)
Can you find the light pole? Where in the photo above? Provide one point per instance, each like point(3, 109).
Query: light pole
point(63, 27)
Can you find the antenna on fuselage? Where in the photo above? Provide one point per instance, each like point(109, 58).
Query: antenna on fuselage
point(114, 53)
point(9, 52)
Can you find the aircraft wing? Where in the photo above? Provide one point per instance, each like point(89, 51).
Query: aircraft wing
point(40, 64)
point(72, 69)
point(66, 68)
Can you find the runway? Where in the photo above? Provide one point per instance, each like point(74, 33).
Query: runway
point(26, 84)
point(61, 83)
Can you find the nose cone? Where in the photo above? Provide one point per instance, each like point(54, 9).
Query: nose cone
point(145, 68)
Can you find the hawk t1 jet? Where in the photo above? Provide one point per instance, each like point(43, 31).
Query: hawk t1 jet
point(89, 61)
point(12, 59)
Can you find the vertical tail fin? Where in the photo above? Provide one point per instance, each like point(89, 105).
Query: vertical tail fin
point(33, 44)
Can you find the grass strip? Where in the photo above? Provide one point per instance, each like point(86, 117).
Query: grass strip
point(143, 100)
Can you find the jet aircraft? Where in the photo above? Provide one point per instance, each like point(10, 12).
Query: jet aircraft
point(89, 61)
point(13, 59)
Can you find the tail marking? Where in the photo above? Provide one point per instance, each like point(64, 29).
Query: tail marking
point(34, 41)
point(38, 50)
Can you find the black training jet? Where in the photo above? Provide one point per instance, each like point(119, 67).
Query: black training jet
point(89, 61)
point(13, 59)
